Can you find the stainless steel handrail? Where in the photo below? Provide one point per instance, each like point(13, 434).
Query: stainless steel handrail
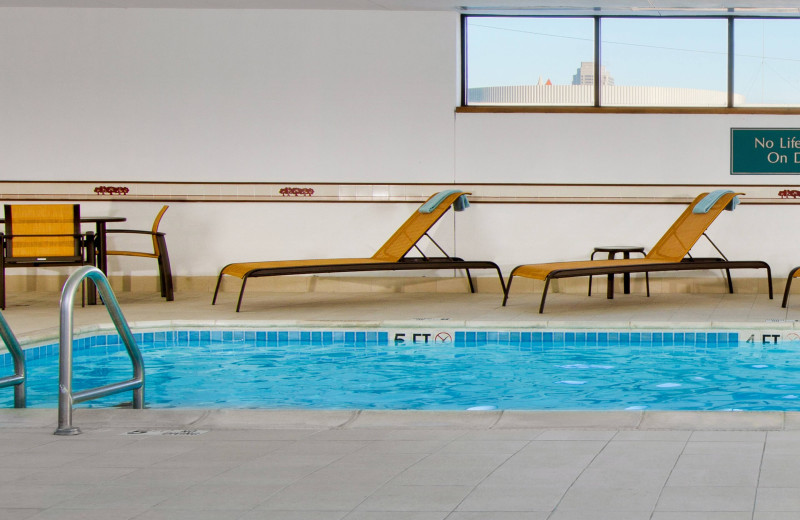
point(66, 398)
point(19, 377)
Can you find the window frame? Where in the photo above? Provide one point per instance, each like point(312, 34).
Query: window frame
point(597, 106)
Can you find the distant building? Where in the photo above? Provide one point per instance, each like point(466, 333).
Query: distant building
point(581, 92)
point(611, 96)
point(585, 75)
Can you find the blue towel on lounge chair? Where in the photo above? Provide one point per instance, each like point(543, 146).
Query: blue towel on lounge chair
point(709, 200)
point(460, 204)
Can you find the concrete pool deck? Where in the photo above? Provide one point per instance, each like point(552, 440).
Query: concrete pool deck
point(346, 464)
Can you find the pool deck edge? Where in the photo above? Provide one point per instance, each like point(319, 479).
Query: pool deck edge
point(100, 418)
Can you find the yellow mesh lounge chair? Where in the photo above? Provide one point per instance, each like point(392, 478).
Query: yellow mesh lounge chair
point(39, 235)
point(667, 255)
point(390, 257)
point(159, 253)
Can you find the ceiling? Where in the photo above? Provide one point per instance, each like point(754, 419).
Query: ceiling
point(641, 7)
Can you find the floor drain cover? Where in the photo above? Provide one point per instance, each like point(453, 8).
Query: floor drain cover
point(166, 432)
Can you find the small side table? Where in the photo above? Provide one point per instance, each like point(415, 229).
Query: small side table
point(626, 277)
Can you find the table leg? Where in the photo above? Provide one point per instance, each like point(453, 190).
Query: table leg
point(610, 286)
point(102, 258)
point(626, 277)
point(590, 276)
point(101, 261)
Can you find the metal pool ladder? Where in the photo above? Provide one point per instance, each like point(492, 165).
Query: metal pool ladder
point(66, 397)
point(18, 379)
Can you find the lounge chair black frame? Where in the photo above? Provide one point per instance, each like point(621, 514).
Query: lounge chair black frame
point(670, 243)
point(690, 264)
point(374, 264)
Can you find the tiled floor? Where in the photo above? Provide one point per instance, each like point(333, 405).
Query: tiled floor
point(359, 465)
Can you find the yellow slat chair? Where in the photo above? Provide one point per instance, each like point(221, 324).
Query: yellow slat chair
point(43, 235)
point(669, 254)
point(159, 253)
point(390, 257)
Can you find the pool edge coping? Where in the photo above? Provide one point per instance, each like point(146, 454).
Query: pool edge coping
point(270, 419)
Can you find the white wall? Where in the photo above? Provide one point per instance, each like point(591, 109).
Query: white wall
point(112, 95)
point(615, 149)
point(227, 95)
point(605, 148)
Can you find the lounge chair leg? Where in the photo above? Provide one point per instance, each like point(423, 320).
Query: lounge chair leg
point(647, 282)
point(544, 295)
point(610, 289)
point(502, 283)
point(769, 279)
point(241, 293)
point(786, 291)
point(216, 291)
point(730, 281)
point(469, 279)
point(507, 289)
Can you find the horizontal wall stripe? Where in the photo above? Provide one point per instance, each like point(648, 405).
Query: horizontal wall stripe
point(379, 193)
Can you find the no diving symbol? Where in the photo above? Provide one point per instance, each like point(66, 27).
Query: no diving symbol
point(443, 337)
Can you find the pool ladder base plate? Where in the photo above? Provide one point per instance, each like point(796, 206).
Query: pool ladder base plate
point(68, 431)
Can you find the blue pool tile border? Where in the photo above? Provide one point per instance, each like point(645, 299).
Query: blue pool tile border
point(597, 338)
point(465, 338)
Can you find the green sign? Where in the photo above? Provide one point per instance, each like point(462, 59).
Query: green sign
point(762, 151)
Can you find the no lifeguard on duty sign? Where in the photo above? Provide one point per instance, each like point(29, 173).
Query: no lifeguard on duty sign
point(760, 151)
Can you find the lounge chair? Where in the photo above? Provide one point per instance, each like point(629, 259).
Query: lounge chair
point(669, 253)
point(390, 257)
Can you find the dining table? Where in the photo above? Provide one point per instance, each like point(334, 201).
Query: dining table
point(101, 258)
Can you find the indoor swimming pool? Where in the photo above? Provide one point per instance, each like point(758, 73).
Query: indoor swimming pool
point(462, 370)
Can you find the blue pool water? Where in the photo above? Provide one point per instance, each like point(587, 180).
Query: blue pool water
point(567, 371)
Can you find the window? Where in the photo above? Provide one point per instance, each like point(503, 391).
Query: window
point(644, 61)
point(767, 62)
point(665, 62)
point(511, 60)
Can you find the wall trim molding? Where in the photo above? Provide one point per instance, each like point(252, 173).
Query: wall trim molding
point(315, 192)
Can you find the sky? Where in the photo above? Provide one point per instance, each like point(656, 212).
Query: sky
point(683, 53)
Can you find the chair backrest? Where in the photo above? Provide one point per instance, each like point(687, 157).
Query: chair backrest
point(43, 231)
point(687, 230)
point(413, 230)
point(156, 222)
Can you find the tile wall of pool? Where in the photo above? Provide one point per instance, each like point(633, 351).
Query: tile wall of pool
point(392, 336)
